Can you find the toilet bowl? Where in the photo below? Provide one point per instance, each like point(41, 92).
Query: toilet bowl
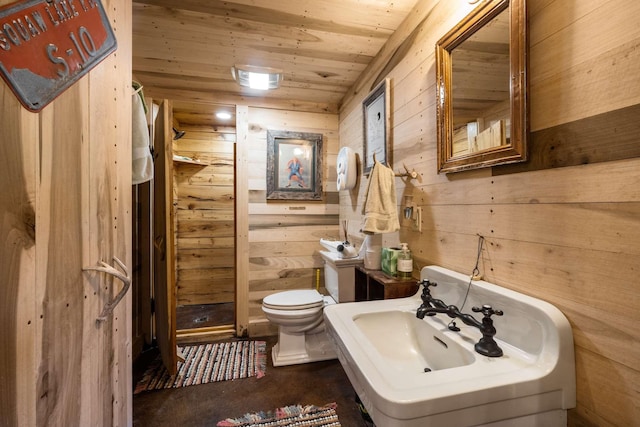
point(301, 334)
point(299, 313)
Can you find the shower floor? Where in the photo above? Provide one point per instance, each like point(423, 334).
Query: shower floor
point(204, 315)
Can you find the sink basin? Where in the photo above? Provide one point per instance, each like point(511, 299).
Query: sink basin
point(408, 345)
point(416, 372)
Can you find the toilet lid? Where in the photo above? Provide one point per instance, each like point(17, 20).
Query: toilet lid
point(294, 300)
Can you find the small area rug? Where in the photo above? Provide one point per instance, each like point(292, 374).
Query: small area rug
point(208, 363)
point(290, 416)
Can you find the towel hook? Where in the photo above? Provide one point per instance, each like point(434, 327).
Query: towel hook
point(408, 174)
point(375, 160)
point(137, 90)
point(124, 278)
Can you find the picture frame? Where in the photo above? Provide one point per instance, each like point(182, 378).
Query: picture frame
point(294, 165)
point(377, 126)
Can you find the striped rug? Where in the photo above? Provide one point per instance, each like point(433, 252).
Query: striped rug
point(290, 416)
point(208, 363)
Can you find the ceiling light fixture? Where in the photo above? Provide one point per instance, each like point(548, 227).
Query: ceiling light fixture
point(223, 115)
point(261, 78)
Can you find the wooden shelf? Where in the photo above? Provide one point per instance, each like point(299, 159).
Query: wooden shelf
point(184, 159)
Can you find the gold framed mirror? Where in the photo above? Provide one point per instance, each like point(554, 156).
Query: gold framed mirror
point(481, 88)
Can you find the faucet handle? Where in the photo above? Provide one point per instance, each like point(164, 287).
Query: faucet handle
point(487, 310)
point(426, 292)
point(426, 283)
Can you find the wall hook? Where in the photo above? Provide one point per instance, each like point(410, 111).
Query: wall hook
point(124, 278)
point(177, 134)
point(408, 174)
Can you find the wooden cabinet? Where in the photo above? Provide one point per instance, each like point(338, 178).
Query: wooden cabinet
point(376, 285)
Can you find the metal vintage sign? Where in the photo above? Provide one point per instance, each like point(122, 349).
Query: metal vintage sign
point(47, 45)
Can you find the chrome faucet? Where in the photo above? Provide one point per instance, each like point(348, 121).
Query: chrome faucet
point(431, 306)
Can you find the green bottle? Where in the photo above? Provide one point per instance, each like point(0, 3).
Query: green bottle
point(405, 263)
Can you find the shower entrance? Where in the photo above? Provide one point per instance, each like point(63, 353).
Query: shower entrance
point(204, 206)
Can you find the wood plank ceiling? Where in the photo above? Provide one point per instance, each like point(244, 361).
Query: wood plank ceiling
point(184, 50)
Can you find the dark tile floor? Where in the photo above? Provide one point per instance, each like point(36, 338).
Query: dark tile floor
point(204, 315)
point(204, 405)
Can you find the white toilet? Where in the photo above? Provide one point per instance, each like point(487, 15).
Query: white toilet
point(299, 314)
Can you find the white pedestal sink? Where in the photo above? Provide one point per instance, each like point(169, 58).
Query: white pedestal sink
point(416, 373)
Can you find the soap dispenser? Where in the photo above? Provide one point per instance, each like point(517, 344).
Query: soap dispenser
point(405, 263)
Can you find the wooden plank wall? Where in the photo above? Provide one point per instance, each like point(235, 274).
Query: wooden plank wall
point(564, 228)
point(66, 205)
point(284, 235)
point(205, 202)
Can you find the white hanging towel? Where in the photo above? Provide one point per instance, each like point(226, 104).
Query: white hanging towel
point(141, 159)
point(380, 209)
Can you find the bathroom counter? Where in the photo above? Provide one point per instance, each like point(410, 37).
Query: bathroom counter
point(377, 285)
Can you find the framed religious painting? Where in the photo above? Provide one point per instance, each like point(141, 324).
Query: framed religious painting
point(294, 165)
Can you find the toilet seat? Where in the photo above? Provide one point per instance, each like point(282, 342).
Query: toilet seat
point(301, 299)
point(301, 331)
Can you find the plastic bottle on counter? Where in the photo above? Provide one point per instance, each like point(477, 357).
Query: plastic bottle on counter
point(405, 262)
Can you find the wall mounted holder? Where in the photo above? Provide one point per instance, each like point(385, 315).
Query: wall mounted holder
point(417, 219)
point(124, 278)
point(407, 174)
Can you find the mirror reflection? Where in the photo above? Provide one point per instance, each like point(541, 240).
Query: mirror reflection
point(481, 88)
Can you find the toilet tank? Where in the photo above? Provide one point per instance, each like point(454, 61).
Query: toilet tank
point(339, 276)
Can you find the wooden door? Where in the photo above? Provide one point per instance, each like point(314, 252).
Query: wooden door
point(65, 205)
point(141, 218)
point(163, 248)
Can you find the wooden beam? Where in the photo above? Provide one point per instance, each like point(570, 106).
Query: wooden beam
point(234, 99)
point(242, 220)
